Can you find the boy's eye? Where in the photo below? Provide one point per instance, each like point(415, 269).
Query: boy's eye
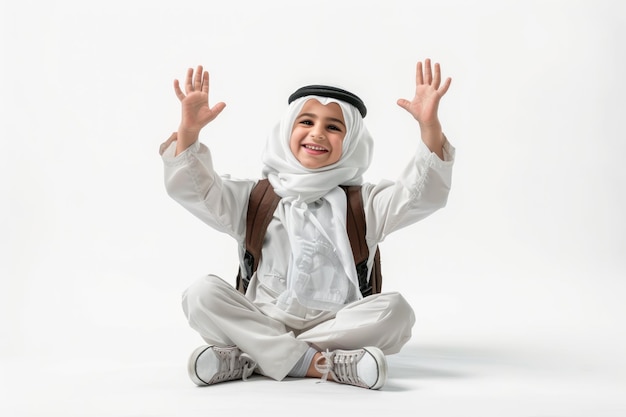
point(333, 127)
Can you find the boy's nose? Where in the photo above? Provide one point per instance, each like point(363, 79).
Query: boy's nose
point(317, 134)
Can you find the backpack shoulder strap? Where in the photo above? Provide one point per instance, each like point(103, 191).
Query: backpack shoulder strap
point(356, 228)
point(261, 206)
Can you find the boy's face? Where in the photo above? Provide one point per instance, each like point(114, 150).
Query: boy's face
point(317, 134)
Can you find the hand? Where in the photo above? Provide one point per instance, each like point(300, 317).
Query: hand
point(428, 92)
point(196, 112)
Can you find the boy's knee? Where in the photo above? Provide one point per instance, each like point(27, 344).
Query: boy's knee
point(399, 309)
point(201, 295)
point(401, 317)
point(391, 305)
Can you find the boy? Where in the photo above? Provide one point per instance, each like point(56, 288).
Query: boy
point(303, 314)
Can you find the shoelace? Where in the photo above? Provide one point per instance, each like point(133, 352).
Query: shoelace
point(342, 367)
point(234, 366)
point(326, 367)
point(247, 366)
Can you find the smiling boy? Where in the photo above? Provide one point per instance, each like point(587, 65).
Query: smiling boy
point(303, 313)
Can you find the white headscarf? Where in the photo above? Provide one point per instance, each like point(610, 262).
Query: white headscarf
point(322, 274)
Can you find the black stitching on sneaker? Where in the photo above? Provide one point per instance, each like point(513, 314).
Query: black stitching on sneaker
point(195, 365)
point(377, 369)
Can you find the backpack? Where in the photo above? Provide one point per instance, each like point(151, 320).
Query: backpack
point(261, 207)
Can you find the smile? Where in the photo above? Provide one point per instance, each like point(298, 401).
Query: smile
point(316, 148)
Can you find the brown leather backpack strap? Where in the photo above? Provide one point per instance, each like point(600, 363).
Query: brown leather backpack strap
point(261, 206)
point(357, 228)
point(263, 202)
point(355, 223)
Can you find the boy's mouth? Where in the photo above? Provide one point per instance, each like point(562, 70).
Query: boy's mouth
point(314, 149)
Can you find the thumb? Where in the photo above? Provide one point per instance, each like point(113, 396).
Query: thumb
point(217, 109)
point(405, 104)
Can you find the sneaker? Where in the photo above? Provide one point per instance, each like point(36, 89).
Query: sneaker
point(209, 365)
point(366, 367)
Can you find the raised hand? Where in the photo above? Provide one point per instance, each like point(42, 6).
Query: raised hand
point(428, 92)
point(196, 111)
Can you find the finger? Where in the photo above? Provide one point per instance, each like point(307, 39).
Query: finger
point(404, 103)
point(178, 91)
point(419, 76)
point(217, 109)
point(437, 76)
point(188, 85)
point(444, 87)
point(205, 82)
point(428, 75)
point(197, 82)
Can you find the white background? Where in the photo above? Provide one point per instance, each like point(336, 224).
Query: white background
point(527, 261)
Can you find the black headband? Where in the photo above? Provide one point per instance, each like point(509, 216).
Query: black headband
point(332, 92)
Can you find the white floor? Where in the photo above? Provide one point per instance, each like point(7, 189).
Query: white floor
point(499, 344)
point(541, 341)
point(425, 380)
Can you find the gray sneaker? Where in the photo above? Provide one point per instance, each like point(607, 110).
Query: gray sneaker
point(210, 365)
point(366, 367)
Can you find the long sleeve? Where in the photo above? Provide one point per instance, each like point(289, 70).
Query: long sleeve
point(421, 189)
point(218, 201)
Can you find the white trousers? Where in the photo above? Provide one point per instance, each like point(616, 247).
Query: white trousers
point(224, 317)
